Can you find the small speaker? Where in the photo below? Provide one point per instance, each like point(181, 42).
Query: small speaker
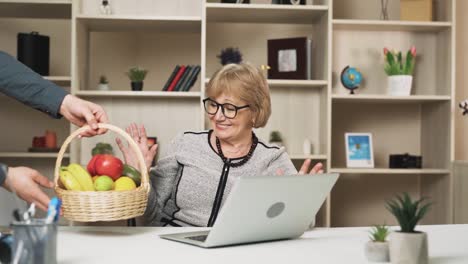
point(33, 51)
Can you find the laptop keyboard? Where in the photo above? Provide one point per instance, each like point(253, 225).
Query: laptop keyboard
point(201, 238)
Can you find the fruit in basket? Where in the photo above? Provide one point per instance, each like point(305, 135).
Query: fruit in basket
point(132, 173)
point(68, 180)
point(124, 184)
point(106, 164)
point(82, 175)
point(102, 148)
point(103, 183)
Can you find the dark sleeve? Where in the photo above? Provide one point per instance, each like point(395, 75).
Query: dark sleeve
point(3, 173)
point(28, 87)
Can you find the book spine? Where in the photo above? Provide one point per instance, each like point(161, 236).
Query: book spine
point(193, 79)
point(183, 78)
point(171, 77)
point(189, 78)
point(176, 78)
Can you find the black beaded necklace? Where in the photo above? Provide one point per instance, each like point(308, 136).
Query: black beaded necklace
point(244, 160)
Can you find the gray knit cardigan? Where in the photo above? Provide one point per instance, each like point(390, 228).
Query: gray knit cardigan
point(190, 184)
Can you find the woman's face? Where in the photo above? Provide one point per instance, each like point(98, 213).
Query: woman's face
point(235, 128)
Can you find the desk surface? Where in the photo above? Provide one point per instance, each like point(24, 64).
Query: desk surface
point(447, 244)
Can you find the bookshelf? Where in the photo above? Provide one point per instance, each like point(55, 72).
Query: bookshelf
point(51, 18)
point(158, 35)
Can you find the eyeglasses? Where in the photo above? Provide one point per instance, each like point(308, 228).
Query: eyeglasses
point(229, 110)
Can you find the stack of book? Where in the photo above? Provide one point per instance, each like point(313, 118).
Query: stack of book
point(182, 78)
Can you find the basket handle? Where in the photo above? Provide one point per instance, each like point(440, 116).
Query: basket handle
point(133, 145)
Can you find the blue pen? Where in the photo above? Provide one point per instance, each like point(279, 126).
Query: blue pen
point(54, 209)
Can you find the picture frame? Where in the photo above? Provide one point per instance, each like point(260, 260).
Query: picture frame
point(359, 150)
point(289, 58)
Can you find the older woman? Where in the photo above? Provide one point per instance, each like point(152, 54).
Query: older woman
point(191, 183)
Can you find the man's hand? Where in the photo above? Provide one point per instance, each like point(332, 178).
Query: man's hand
point(26, 182)
point(81, 112)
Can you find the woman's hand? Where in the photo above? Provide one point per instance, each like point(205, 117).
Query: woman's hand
point(317, 169)
point(139, 135)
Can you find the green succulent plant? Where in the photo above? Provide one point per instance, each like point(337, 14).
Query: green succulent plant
point(103, 80)
point(407, 212)
point(137, 74)
point(379, 233)
point(275, 136)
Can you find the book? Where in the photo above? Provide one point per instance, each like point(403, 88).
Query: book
point(193, 78)
point(176, 78)
point(189, 78)
point(290, 58)
point(171, 77)
point(183, 78)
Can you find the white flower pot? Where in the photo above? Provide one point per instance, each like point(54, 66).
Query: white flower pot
point(400, 85)
point(377, 251)
point(103, 87)
point(408, 248)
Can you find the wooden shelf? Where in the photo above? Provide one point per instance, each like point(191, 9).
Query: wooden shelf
point(303, 157)
point(297, 83)
point(389, 171)
point(293, 83)
point(53, 9)
point(389, 98)
point(61, 79)
point(168, 24)
point(263, 13)
point(52, 155)
point(380, 25)
point(142, 94)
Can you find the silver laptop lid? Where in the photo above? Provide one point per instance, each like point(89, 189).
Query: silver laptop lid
point(263, 208)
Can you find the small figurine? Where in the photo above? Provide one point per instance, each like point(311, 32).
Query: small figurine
point(105, 8)
point(464, 106)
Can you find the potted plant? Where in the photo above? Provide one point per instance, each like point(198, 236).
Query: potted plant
point(400, 71)
point(408, 245)
point(137, 75)
point(376, 250)
point(103, 83)
point(275, 138)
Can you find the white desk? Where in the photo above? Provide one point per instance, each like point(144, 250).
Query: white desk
point(447, 244)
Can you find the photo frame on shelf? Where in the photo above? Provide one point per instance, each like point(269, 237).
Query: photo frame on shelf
point(289, 58)
point(359, 150)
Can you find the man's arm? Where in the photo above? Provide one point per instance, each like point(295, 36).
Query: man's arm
point(28, 87)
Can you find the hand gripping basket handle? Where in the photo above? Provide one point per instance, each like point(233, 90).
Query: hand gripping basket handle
point(133, 145)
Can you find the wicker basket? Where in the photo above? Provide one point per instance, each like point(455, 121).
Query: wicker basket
point(103, 206)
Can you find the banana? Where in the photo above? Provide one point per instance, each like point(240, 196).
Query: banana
point(82, 176)
point(69, 181)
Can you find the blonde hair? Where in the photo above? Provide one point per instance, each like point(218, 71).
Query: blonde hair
point(246, 82)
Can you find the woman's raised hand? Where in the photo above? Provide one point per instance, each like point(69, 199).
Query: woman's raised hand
point(139, 135)
point(317, 169)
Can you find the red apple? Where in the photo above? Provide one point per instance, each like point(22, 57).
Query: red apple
point(106, 164)
point(91, 168)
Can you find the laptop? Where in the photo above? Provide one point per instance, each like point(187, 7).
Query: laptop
point(264, 208)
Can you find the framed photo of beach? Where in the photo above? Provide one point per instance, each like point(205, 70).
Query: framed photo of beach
point(359, 150)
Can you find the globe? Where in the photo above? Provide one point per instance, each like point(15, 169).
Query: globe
point(351, 78)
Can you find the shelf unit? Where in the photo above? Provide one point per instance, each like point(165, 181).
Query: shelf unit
point(160, 34)
point(51, 18)
point(27, 155)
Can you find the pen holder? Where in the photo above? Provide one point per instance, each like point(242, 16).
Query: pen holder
point(34, 242)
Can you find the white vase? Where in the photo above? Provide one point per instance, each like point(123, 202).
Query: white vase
point(103, 87)
point(377, 251)
point(408, 248)
point(399, 85)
